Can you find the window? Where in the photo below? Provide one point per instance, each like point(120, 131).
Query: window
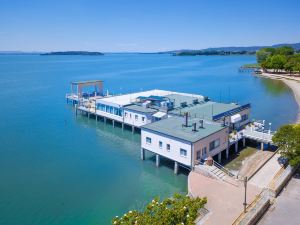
point(143, 118)
point(125, 114)
point(244, 117)
point(130, 115)
point(183, 152)
point(160, 144)
point(168, 147)
point(148, 140)
point(136, 117)
point(198, 155)
point(214, 144)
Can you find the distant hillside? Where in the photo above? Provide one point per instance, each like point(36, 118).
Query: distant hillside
point(73, 53)
point(227, 50)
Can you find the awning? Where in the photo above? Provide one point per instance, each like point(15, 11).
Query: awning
point(236, 118)
point(159, 114)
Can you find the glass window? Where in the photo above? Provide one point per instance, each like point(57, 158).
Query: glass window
point(143, 118)
point(160, 144)
point(204, 151)
point(183, 152)
point(168, 147)
point(125, 114)
point(136, 117)
point(148, 140)
point(214, 144)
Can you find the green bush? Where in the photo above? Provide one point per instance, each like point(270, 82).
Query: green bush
point(179, 209)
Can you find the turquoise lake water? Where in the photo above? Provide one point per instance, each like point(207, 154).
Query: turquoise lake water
point(59, 169)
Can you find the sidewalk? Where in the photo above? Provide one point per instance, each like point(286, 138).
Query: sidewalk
point(225, 201)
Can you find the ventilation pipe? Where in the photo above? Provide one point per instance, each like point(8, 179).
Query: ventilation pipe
point(201, 124)
point(195, 127)
point(186, 119)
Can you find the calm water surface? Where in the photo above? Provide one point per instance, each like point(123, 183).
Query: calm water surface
point(59, 169)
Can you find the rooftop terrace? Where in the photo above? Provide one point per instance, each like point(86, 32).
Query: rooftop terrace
point(173, 126)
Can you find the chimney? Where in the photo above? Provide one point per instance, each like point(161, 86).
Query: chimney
point(186, 119)
point(201, 124)
point(195, 127)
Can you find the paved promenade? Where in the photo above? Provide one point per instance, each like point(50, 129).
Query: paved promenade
point(286, 208)
point(225, 201)
point(263, 177)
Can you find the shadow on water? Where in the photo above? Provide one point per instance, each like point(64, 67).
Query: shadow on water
point(274, 87)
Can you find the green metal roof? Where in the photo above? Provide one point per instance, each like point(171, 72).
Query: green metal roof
point(177, 98)
point(206, 110)
point(140, 109)
point(173, 126)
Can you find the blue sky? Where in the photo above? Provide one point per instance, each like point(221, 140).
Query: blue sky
point(145, 25)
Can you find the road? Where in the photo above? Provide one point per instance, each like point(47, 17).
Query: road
point(285, 209)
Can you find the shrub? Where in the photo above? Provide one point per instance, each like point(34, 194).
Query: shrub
point(179, 209)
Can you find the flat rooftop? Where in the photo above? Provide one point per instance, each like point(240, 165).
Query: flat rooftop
point(206, 110)
point(127, 99)
point(140, 109)
point(179, 98)
point(87, 82)
point(173, 126)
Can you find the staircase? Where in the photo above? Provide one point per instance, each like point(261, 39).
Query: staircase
point(217, 171)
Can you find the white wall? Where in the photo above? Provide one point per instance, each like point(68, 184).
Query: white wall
point(175, 144)
point(130, 118)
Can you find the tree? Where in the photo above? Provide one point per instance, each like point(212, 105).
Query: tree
point(177, 210)
point(278, 62)
point(284, 50)
point(287, 138)
point(262, 55)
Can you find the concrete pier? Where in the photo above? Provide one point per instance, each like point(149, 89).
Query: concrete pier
point(142, 154)
point(176, 167)
point(157, 160)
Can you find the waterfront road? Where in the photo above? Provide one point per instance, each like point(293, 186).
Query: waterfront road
point(285, 209)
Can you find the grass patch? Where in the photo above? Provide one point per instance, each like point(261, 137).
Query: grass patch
point(236, 163)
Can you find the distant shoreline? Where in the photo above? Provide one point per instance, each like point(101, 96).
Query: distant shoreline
point(73, 53)
point(292, 82)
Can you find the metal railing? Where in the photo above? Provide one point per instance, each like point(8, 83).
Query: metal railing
point(222, 168)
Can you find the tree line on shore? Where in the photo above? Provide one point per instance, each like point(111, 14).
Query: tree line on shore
point(283, 59)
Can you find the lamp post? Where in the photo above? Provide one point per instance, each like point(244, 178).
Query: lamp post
point(245, 197)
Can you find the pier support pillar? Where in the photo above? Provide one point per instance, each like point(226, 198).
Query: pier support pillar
point(157, 160)
point(104, 118)
point(96, 118)
point(132, 129)
point(76, 110)
point(219, 157)
point(122, 126)
point(142, 154)
point(113, 123)
point(88, 115)
point(262, 146)
point(244, 142)
point(236, 146)
point(176, 167)
point(227, 152)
